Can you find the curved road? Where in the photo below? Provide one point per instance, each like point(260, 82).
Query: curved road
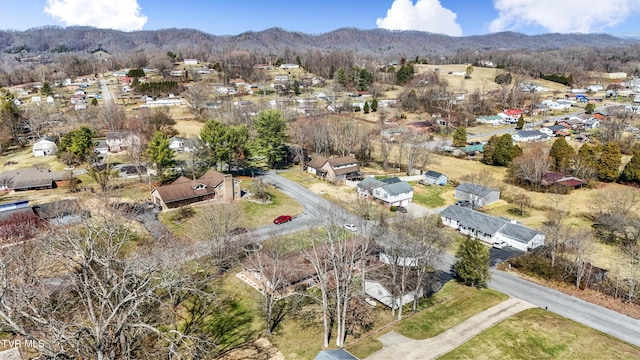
point(597, 317)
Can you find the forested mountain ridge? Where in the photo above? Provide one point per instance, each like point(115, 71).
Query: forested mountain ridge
point(377, 41)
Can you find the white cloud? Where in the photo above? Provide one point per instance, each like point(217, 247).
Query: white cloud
point(563, 16)
point(425, 15)
point(110, 14)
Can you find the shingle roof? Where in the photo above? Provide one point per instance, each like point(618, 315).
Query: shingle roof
point(488, 224)
point(347, 170)
point(397, 188)
point(317, 162)
point(474, 189)
point(432, 174)
point(29, 178)
point(370, 183)
point(183, 188)
point(391, 180)
point(345, 160)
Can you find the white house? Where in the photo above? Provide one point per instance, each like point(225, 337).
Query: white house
point(393, 191)
point(45, 146)
point(378, 291)
point(118, 141)
point(529, 135)
point(191, 62)
point(491, 229)
point(289, 66)
point(477, 195)
point(491, 120)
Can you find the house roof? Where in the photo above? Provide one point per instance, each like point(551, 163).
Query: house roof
point(474, 219)
point(347, 170)
point(397, 188)
point(46, 138)
point(317, 162)
point(488, 224)
point(335, 354)
point(513, 112)
point(341, 161)
point(529, 133)
point(28, 178)
point(369, 183)
point(433, 174)
point(183, 188)
point(474, 189)
point(391, 180)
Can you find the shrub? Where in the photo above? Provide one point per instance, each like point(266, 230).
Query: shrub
point(393, 208)
point(183, 214)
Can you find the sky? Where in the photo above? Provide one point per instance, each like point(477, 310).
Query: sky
point(232, 17)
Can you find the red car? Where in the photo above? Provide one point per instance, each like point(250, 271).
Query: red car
point(282, 219)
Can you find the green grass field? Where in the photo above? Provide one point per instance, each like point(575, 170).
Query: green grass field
point(539, 334)
point(432, 196)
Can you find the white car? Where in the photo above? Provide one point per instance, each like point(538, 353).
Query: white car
point(499, 244)
point(350, 227)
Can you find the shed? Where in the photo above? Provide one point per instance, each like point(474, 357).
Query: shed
point(435, 178)
point(477, 195)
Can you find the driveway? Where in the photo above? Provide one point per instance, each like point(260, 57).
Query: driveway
point(400, 347)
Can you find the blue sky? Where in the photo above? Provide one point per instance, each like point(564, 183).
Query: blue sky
point(231, 17)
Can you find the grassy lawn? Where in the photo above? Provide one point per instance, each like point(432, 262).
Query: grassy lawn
point(301, 177)
point(432, 196)
point(257, 215)
point(539, 334)
point(454, 304)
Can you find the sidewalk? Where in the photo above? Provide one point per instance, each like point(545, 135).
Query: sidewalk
point(400, 347)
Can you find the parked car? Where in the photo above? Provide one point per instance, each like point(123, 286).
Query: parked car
point(463, 203)
point(351, 227)
point(282, 219)
point(402, 209)
point(501, 244)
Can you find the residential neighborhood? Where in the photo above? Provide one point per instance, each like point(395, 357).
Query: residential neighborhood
point(210, 198)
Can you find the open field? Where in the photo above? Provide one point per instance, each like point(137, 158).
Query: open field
point(188, 128)
point(481, 78)
point(539, 334)
point(432, 196)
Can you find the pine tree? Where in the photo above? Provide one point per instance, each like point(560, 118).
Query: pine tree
point(460, 136)
point(631, 172)
point(473, 263)
point(609, 164)
point(366, 107)
point(374, 105)
point(520, 123)
point(270, 128)
point(158, 151)
point(562, 154)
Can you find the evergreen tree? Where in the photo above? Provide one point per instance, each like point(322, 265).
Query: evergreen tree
point(76, 145)
point(94, 102)
point(631, 172)
point(562, 154)
point(342, 77)
point(158, 151)
point(296, 87)
point(590, 154)
point(214, 134)
point(366, 107)
point(365, 79)
point(404, 73)
point(472, 263)
point(610, 161)
point(520, 123)
point(271, 130)
point(500, 151)
point(590, 108)
point(374, 105)
point(460, 136)
point(46, 89)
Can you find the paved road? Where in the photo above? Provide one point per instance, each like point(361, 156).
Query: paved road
point(397, 346)
point(597, 317)
point(106, 94)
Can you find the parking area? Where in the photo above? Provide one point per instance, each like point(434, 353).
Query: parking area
point(501, 255)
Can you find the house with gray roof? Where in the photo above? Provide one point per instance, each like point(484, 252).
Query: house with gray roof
point(335, 354)
point(491, 229)
point(530, 135)
point(392, 191)
point(434, 178)
point(477, 195)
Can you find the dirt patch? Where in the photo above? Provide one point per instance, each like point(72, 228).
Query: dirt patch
point(261, 349)
point(188, 128)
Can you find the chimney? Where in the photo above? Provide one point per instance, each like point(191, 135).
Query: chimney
point(228, 188)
